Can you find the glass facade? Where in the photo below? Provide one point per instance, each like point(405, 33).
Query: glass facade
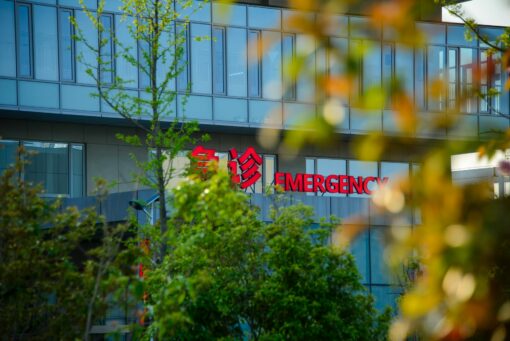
point(57, 166)
point(245, 58)
point(237, 78)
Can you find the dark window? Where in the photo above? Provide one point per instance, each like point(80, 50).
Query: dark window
point(106, 49)
point(182, 56)
point(289, 55)
point(66, 45)
point(24, 36)
point(219, 60)
point(254, 63)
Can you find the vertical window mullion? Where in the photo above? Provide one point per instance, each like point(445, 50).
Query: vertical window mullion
point(24, 40)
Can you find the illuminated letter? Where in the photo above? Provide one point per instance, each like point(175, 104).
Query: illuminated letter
point(344, 184)
point(279, 179)
point(365, 184)
point(332, 187)
point(294, 185)
point(382, 181)
point(356, 183)
point(318, 183)
point(308, 182)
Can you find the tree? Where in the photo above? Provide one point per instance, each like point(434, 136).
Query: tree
point(161, 59)
point(56, 266)
point(236, 276)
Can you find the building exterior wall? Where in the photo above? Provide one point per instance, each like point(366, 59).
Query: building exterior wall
point(44, 99)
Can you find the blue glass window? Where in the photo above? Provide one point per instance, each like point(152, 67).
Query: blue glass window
point(467, 66)
point(254, 63)
point(45, 43)
point(66, 45)
point(50, 165)
point(236, 62)
point(88, 59)
point(404, 68)
point(201, 63)
point(272, 65)
point(436, 73)
point(289, 53)
point(371, 73)
point(388, 63)
point(7, 39)
point(144, 69)
point(219, 60)
point(8, 150)
point(498, 102)
point(182, 55)
point(106, 49)
point(452, 78)
point(419, 77)
point(24, 36)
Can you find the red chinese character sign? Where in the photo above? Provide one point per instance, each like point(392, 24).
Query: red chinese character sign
point(203, 158)
point(249, 163)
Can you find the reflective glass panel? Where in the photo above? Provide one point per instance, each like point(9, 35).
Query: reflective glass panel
point(272, 66)
point(467, 67)
point(24, 40)
point(452, 78)
point(219, 60)
point(49, 165)
point(182, 55)
point(236, 62)
point(107, 66)
point(436, 74)
point(201, 64)
point(66, 45)
point(7, 40)
point(288, 46)
point(45, 43)
point(254, 63)
point(77, 176)
point(8, 151)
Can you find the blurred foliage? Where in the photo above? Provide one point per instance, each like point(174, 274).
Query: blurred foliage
point(231, 276)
